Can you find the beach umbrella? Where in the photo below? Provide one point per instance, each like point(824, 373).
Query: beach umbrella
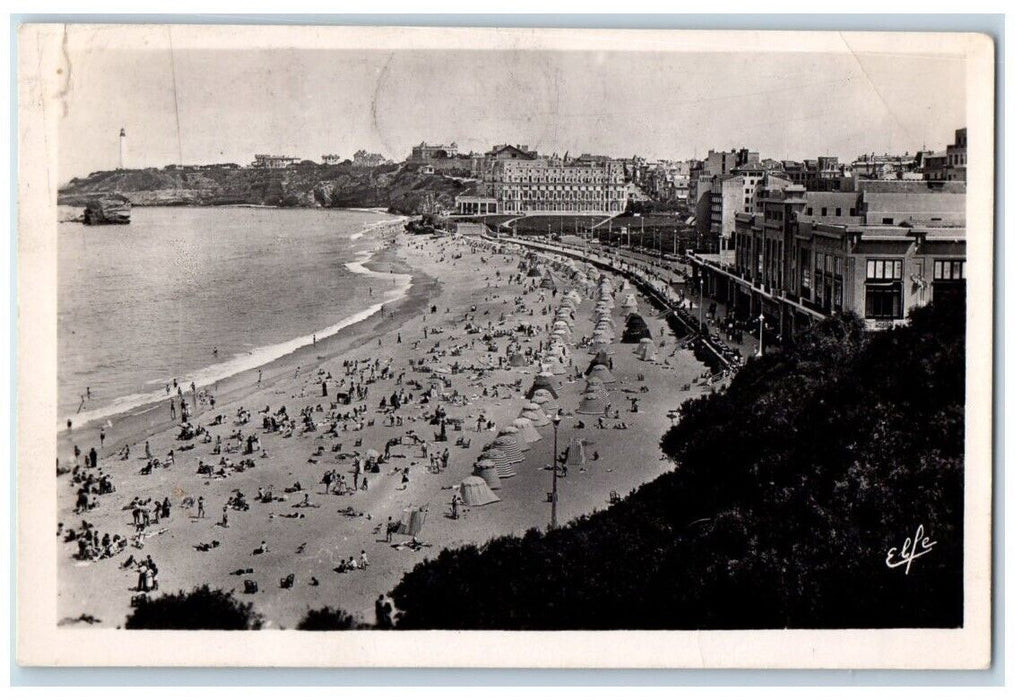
point(603, 372)
point(527, 430)
point(575, 456)
point(476, 492)
point(508, 444)
point(592, 404)
point(487, 471)
point(635, 330)
point(413, 519)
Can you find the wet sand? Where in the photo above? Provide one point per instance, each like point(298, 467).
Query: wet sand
point(311, 546)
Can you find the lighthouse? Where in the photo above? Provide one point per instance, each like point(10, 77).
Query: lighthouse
point(123, 146)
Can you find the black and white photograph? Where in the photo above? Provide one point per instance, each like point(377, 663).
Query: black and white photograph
point(352, 337)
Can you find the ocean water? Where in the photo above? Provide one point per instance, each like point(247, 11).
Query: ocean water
point(140, 305)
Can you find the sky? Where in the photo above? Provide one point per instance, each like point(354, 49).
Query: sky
point(196, 105)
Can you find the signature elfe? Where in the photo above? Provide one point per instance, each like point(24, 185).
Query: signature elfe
point(913, 548)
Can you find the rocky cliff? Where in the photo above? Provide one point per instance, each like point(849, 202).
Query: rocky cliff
point(398, 188)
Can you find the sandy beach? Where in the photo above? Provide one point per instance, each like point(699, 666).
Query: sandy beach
point(420, 348)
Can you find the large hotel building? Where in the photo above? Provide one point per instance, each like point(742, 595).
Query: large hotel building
point(522, 182)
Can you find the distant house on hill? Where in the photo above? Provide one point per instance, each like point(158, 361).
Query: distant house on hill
point(331, 159)
point(274, 162)
point(427, 151)
point(369, 160)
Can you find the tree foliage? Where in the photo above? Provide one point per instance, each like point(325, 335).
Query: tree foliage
point(200, 609)
point(789, 490)
point(327, 619)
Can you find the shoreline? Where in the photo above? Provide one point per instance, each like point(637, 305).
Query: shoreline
point(135, 424)
point(226, 369)
point(454, 280)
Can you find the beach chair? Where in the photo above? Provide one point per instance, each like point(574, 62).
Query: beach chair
point(249, 586)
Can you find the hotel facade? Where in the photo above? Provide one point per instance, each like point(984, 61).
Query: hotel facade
point(524, 183)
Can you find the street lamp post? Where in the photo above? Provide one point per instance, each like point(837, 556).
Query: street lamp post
point(761, 335)
point(553, 495)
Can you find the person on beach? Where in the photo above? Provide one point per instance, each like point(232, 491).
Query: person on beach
point(215, 351)
point(200, 506)
point(102, 437)
point(93, 458)
point(225, 516)
point(147, 450)
point(258, 384)
point(172, 409)
point(69, 425)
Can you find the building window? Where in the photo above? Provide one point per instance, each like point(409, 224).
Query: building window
point(838, 211)
point(947, 270)
point(883, 289)
point(884, 269)
point(888, 220)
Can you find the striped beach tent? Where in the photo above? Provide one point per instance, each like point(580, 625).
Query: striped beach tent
point(486, 469)
point(508, 444)
point(512, 430)
point(575, 456)
point(505, 467)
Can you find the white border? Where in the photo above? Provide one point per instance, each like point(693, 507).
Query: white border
point(40, 642)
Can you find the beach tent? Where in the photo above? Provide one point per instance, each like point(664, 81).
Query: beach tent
point(487, 471)
point(508, 444)
point(575, 456)
point(601, 358)
point(635, 330)
point(534, 414)
point(646, 350)
point(512, 430)
point(630, 303)
point(503, 465)
point(595, 384)
point(575, 297)
point(544, 381)
point(600, 346)
point(413, 519)
point(476, 492)
point(592, 404)
point(544, 398)
point(527, 431)
point(603, 373)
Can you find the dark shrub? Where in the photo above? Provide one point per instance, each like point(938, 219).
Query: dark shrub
point(200, 609)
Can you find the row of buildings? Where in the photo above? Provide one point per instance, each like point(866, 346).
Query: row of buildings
point(878, 250)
